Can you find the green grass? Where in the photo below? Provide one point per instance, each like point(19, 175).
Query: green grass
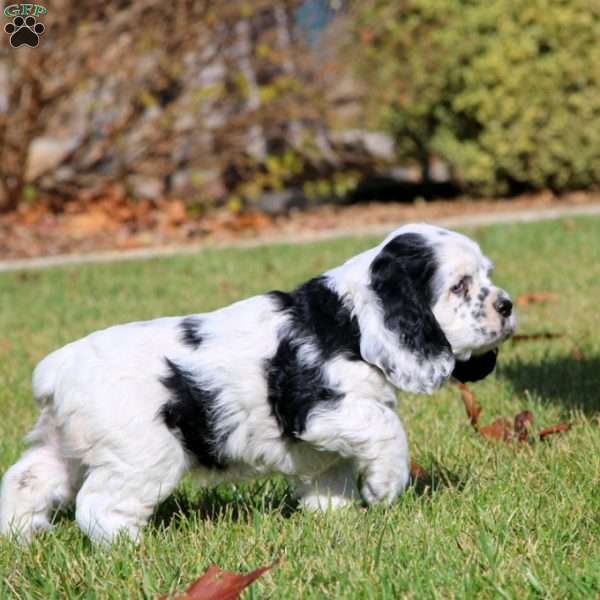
point(496, 521)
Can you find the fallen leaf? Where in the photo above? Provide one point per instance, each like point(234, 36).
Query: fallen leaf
point(130, 242)
point(523, 421)
point(577, 354)
point(416, 471)
point(535, 298)
point(255, 221)
point(123, 214)
point(560, 428)
point(216, 584)
point(89, 223)
point(500, 429)
point(175, 211)
point(542, 335)
point(471, 406)
point(32, 214)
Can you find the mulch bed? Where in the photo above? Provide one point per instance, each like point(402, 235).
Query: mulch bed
point(112, 222)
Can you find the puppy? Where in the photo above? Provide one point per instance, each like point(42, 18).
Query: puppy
point(300, 383)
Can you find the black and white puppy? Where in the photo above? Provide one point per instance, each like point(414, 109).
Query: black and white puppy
point(300, 383)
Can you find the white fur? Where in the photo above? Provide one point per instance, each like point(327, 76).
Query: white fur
point(99, 440)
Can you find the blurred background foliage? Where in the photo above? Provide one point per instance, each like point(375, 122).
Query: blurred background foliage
point(240, 102)
point(506, 92)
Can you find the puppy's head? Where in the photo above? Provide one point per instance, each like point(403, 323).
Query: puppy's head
point(429, 308)
point(474, 314)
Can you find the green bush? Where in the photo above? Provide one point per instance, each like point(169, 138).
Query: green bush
point(507, 92)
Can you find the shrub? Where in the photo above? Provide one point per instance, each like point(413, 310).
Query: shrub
point(507, 92)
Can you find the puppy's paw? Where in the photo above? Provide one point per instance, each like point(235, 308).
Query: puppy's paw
point(385, 486)
point(322, 502)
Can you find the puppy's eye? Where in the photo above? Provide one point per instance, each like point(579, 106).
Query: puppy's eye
point(461, 287)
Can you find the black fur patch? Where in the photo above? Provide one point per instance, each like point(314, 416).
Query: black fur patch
point(190, 332)
point(476, 368)
point(284, 300)
point(483, 294)
point(401, 277)
point(190, 410)
point(295, 389)
point(318, 316)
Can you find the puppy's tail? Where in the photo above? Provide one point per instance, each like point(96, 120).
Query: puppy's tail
point(46, 373)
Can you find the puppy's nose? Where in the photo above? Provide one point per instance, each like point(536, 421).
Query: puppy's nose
point(504, 306)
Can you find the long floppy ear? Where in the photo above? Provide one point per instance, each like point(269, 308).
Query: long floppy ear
point(476, 368)
point(399, 333)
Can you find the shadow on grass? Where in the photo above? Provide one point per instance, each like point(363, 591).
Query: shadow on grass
point(224, 502)
point(236, 504)
point(572, 382)
point(239, 503)
point(63, 515)
point(436, 477)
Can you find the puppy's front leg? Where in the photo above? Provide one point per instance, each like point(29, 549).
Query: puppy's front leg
point(332, 489)
point(370, 434)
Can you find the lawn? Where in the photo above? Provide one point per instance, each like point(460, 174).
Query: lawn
point(496, 520)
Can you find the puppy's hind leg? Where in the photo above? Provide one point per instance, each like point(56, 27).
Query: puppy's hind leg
point(119, 496)
point(39, 482)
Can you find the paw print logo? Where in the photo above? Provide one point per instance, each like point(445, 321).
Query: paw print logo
point(24, 31)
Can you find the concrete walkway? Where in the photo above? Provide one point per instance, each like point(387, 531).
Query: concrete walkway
point(520, 216)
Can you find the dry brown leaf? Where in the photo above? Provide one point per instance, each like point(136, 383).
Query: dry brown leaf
point(535, 298)
point(216, 584)
point(577, 354)
point(254, 221)
point(523, 421)
point(122, 214)
point(89, 223)
point(471, 406)
point(559, 428)
point(500, 429)
point(175, 211)
point(416, 471)
point(542, 335)
point(132, 241)
point(32, 214)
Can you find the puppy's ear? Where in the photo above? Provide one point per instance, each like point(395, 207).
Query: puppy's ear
point(476, 368)
point(399, 333)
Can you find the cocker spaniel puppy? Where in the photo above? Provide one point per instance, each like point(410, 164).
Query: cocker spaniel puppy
point(300, 383)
